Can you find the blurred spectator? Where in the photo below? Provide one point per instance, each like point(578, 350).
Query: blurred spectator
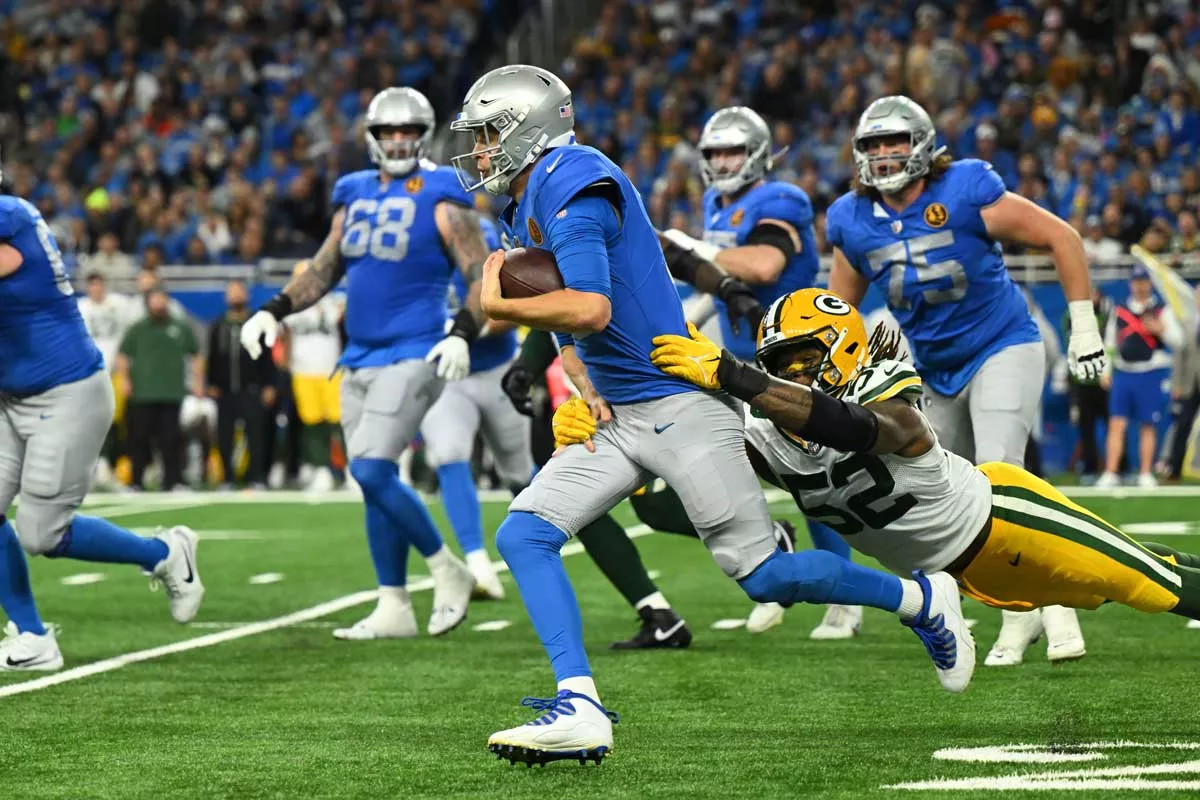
point(151, 364)
point(243, 387)
point(1139, 332)
point(1097, 245)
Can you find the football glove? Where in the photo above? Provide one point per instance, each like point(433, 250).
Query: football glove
point(694, 359)
point(260, 329)
point(1086, 357)
point(453, 358)
point(516, 383)
point(573, 423)
point(701, 248)
point(740, 304)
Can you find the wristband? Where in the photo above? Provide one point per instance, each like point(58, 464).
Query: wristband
point(465, 326)
point(743, 381)
point(278, 306)
point(1083, 317)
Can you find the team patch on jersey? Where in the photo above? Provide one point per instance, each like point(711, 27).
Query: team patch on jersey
point(414, 184)
point(936, 215)
point(736, 217)
point(883, 381)
point(535, 233)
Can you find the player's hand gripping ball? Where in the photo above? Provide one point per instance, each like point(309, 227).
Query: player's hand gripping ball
point(529, 272)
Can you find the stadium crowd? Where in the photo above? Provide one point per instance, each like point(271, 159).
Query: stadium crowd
point(153, 132)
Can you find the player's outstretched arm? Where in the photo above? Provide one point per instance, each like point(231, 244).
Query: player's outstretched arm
point(1012, 218)
point(886, 427)
point(845, 281)
point(462, 234)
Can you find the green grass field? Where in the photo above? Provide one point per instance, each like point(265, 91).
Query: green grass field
point(292, 713)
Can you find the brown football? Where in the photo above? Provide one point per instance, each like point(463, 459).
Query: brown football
point(529, 272)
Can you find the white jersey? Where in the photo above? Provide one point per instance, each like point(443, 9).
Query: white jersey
point(315, 343)
point(909, 513)
point(107, 322)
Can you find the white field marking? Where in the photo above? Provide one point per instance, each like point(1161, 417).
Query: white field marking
point(1128, 778)
point(1160, 528)
point(82, 578)
point(492, 625)
point(243, 631)
point(214, 535)
point(265, 578)
point(315, 624)
point(728, 624)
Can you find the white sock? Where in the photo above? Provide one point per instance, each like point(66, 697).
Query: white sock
point(580, 685)
point(655, 601)
point(911, 600)
point(393, 599)
point(443, 559)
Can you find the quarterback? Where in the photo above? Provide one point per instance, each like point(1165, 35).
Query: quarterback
point(836, 420)
point(926, 230)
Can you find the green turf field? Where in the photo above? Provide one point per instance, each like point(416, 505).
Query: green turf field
point(292, 713)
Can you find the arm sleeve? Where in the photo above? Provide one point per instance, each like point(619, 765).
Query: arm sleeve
point(578, 237)
point(986, 187)
point(833, 230)
point(342, 191)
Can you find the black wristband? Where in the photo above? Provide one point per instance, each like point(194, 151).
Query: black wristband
point(847, 427)
point(743, 381)
point(278, 306)
point(465, 325)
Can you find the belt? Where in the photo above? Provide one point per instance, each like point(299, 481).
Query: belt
point(958, 565)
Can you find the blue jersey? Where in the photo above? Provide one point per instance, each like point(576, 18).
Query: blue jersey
point(944, 277)
point(43, 341)
point(397, 269)
point(729, 225)
point(644, 301)
point(487, 352)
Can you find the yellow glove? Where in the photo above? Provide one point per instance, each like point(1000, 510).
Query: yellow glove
point(695, 359)
point(573, 423)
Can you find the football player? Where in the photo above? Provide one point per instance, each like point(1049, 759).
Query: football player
point(56, 406)
point(837, 421)
point(575, 202)
point(926, 230)
point(760, 232)
point(478, 403)
point(397, 233)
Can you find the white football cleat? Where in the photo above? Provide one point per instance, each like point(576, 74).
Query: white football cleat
point(764, 616)
point(1064, 638)
point(321, 480)
point(1146, 480)
point(839, 622)
point(574, 726)
point(1018, 630)
point(452, 588)
point(178, 575)
point(397, 622)
point(1109, 480)
point(29, 652)
point(943, 630)
point(487, 582)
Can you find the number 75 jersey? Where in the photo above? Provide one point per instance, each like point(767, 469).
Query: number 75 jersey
point(909, 513)
point(943, 276)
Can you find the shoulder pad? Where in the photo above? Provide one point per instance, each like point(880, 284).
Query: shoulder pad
point(883, 381)
point(347, 187)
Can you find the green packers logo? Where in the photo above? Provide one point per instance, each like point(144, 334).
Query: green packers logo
point(535, 233)
point(936, 215)
point(737, 217)
point(414, 184)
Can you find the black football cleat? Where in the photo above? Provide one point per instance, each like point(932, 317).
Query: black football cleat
point(661, 628)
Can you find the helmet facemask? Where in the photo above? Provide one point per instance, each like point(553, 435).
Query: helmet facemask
point(824, 374)
point(753, 166)
point(396, 156)
point(905, 167)
point(487, 138)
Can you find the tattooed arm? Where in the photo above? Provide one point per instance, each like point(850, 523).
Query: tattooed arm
point(463, 237)
point(324, 270)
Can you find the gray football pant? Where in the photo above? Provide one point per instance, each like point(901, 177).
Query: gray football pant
point(696, 443)
point(382, 407)
point(992, 418)
point(49, 444)
point(478, 403)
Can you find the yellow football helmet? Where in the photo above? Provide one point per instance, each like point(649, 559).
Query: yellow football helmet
point(816, 316)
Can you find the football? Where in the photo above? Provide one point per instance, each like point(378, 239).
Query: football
point(529, 272)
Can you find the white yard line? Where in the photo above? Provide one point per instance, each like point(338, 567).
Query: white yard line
point(243, 631)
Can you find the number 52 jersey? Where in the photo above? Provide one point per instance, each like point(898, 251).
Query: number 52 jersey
point(909, 513)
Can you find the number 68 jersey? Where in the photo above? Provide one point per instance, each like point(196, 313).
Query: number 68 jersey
point(909, 513)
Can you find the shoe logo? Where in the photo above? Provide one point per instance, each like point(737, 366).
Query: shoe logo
point(1015, 560)
point(20, 662)
point(661, 635)
point(44, 416)
point(191, 574)
point(550, 168)
point(661, 428)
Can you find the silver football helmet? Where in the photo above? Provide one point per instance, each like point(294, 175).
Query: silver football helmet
point(393, 108)
point(734, 127)
point(513, 114)
point(891, 116)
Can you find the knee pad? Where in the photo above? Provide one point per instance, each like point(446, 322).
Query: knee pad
point(786, 578)
point(41, 528)
point(374, 474)
point(523, 533)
